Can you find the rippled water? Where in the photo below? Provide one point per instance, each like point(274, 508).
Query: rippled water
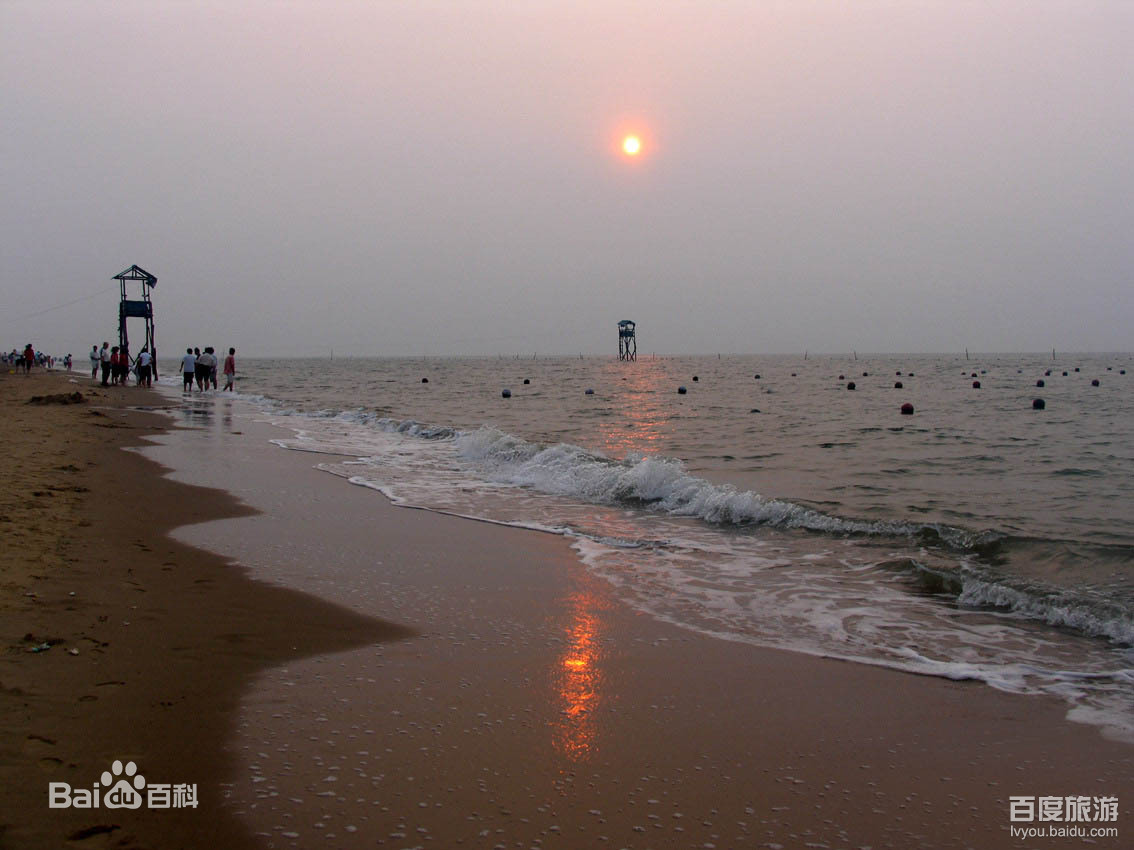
point(977, 538)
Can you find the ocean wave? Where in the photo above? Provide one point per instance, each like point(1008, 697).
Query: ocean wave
point(663, 484)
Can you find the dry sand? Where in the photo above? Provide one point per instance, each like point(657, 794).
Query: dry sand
point(503, 697)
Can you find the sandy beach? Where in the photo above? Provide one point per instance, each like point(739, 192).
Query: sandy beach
point(332, 670)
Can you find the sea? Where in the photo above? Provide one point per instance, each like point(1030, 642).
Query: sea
point(783, 501)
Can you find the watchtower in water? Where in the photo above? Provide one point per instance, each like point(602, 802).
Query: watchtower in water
point(627, 342)
point(143, 309)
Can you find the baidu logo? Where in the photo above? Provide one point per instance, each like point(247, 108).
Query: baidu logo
point(121, 788)
point(122, 795)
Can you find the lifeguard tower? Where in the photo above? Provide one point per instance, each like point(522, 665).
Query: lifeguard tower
point(627, 342)
point(143, 309)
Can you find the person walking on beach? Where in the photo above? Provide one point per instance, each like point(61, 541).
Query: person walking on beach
point(95, 360)
point(29, 358)
point(198, 370)
point(212, 366)
point(206, 362)
point(104, 362)
point(188, 369)
point(144, 360)
point(230, 369)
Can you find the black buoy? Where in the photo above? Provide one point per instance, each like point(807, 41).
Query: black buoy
point(1040, 383)
point(1109, 368)
point(588, 391)
point(756, 377)
point(973, 375)
point(695, 378)
point(976, 385)
point(1095, 382)
point(1064, 374)
point(506, 394)
point(425, 380)
point(1048, 373)
point(911, 374)
point(1122, 371)
point(527, 381)
point(984, 371)
point(793, 374)
point(866, 374)
point(897, 385)
point(1038, 404)
point(899, 373)
point(682, 390)
point(1076, 368)
point(842, 377)
point(850, 385)
point(754, 410)
point(907, 409)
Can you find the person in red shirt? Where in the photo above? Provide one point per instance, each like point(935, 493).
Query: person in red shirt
point(230, 369)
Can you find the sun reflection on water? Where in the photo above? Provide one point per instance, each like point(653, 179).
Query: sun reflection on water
point(641, 420)
point(579, 675)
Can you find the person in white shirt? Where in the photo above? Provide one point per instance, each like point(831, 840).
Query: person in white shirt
point(144, 360)
point(95, 360)
point(188, 369)
point(104, 359)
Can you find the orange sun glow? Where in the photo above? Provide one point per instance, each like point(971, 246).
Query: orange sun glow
point(631, 146)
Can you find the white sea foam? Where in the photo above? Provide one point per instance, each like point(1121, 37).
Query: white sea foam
point(742, 566)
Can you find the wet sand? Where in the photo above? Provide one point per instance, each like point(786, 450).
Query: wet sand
point(377, 676)
point(164, 637)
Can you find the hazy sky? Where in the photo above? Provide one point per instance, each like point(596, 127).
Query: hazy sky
point(414, 177)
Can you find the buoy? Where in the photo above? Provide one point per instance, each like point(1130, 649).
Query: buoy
point(695, 378)
point(506, 394)
point(907, 409)
point(425, 380)
point(756, 377)
point(527, 381)
point(1076, 368)
point(754, 410)
point(1040, 383)
point(588, 391)
point(682, 391)
point(973, 375)
point(976, 385)
point(850, 386)
point(899, 373)
point(897, 385)
point(1048, 373)
point(1038, 404)
point(911, 374)
point(793, 374)
point(1122, 371)
point(1064, 374)
point(984, 371)
point(1109, 368)
point(842, 377)
point(866, 374)
point(1095, 382)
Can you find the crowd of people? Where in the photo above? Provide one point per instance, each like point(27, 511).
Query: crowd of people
point(115, 366)
point(200, 367)
point(29, 357)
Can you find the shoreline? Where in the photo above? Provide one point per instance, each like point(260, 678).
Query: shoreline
point(521, 698)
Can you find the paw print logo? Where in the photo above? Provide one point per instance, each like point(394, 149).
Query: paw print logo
point(123, 794)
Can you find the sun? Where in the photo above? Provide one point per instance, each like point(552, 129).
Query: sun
point(631, 145)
